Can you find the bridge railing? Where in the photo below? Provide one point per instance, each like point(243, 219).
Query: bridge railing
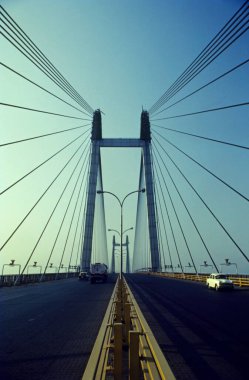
point(125, 346)
point(10, 279)
point(239, 280)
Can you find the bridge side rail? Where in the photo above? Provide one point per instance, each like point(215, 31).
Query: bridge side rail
point(241, 280)
point(9, 279)
point(125, 346)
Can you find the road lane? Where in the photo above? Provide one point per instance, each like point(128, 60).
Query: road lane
point(204, 334)
point(48, 330)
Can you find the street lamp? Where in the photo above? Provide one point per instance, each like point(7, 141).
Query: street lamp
point(34, 266)
point(51, 266)
point(115, 244)
point(12, 264)
point(205, 264)
point(188, 266)
point(121, 203)
point(128, 229)
point(178, 266)
point(228, 263)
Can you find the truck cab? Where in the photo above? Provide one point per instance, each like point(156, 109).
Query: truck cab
point(98, 273)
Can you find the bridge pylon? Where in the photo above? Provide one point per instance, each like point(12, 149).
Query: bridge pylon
point(95, 169)
point(95, 179)
point(146, 175)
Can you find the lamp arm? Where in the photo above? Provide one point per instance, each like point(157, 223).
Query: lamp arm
point(109, 192)
point(132, 192)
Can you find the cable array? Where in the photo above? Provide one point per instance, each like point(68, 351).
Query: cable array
point(41, 87)
point(236, 27)
point(175, 242)
point(204, 111)
point(41, 111)
point(42, 163)
point(233, 69)
point(53, 211)
point(65, 152)
point(42, 195)
point(13, 33)
point(203, 137)
point(204, 168)
point(157, 144)
point(44, 135)
point(179, 172)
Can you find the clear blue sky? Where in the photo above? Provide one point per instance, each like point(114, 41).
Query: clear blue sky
point(122, 56)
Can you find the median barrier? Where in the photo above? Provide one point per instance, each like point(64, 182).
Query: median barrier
point(125, 347)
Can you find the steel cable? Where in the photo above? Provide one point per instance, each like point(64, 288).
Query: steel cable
point(40, 55)
point(164, 224)
point(186, 208)
point(206, 169)
point(160, 238)
point(171, 226)
point(77, 227)
point(52, 213)
point(206, 64)
point(204, 86)
point(44, 70)
point(41, 111)
point(175, 212)
point(183, 78)
point(204, 203)
point(203, 137)
point(204, 111)
point(45, 135)
point(42, 163)
point(41, 88)
point(40, 198)
point(72, 218)
point(64, 216)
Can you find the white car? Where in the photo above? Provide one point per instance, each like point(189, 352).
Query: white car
point(219, 281)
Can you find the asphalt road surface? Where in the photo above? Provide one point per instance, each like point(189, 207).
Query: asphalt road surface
point(47, 330)
point(204, 334)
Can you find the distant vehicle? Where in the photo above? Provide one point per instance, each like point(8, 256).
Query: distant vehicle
point(219, 281)
point(83, 276)
point(98, 273)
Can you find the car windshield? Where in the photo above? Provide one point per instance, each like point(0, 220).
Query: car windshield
point(221, 276)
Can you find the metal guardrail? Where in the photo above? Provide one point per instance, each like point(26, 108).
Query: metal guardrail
point(125, 347)
point(153, 362)
point(237, 280)
point(9, 279)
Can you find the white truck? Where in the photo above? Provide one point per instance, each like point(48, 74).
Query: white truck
point(219, 281)
point(98, 273)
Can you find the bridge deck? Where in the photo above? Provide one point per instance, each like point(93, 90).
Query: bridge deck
point(48, 330)
point(204, 334)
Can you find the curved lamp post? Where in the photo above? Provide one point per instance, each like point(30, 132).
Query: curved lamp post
point(228, 263)
point(128, 229)
point(34, 266)
point(12, 264)
point(188, 266)
point(52, 266)
point(205, 265)
point(62, 267)
point(121, 203)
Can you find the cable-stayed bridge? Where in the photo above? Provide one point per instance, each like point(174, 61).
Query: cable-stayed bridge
point(191, 189)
